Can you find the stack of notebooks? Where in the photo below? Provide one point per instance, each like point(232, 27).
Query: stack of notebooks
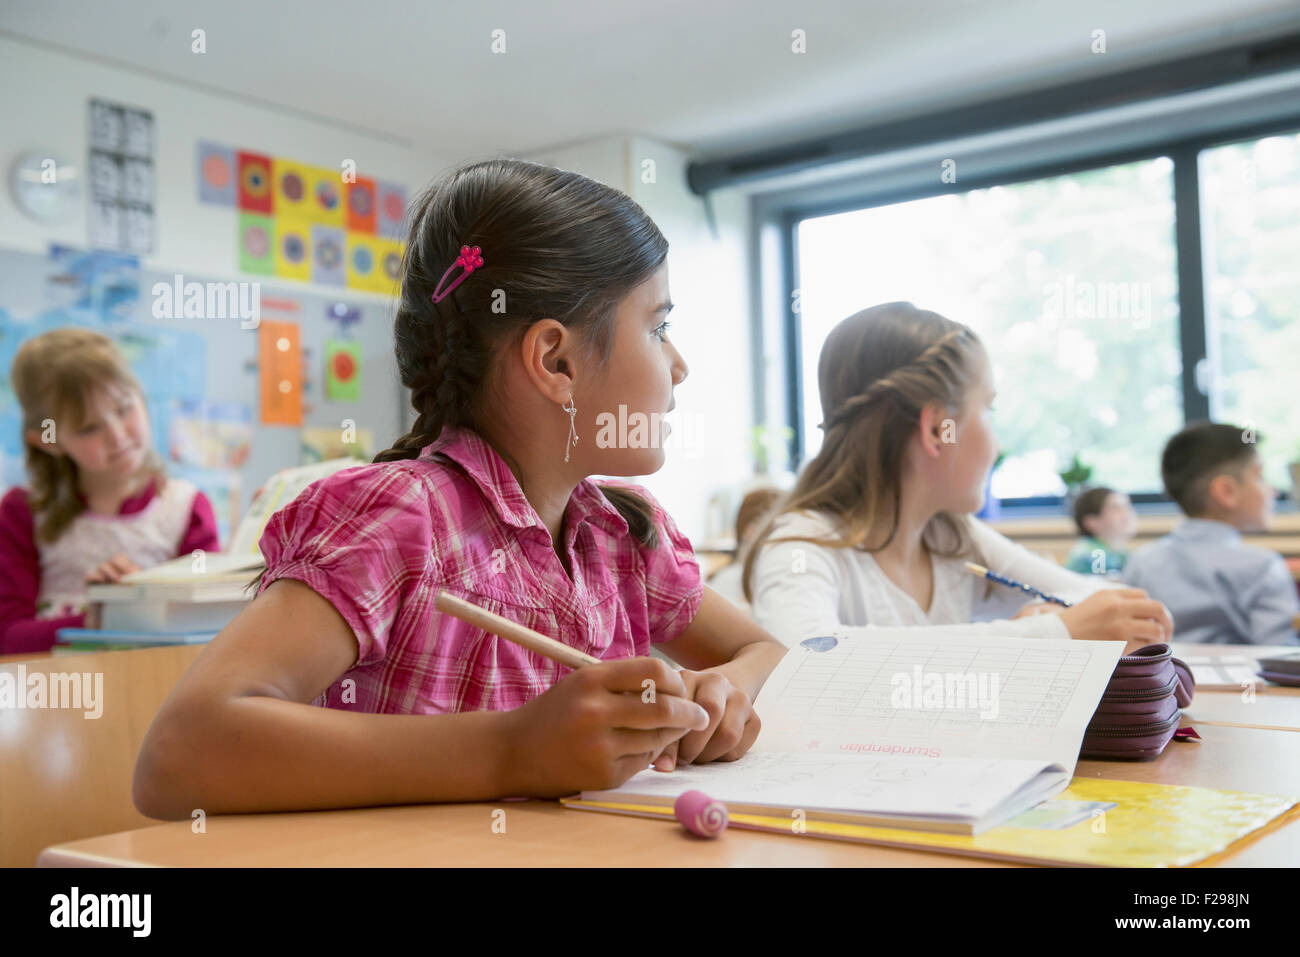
point(191, 598)
point(966, 745)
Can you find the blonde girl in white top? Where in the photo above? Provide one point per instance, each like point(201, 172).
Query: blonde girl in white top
point(877, 529)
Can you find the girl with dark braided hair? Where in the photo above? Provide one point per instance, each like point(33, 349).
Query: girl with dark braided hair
point(531, 310)
point(878, 528)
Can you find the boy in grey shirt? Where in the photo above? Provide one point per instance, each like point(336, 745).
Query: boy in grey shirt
point(1218, 589)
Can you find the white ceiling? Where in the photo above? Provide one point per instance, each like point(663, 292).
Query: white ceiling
point(715, 77)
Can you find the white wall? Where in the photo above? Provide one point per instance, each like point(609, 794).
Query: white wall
point(711, 325)
point(43, 105)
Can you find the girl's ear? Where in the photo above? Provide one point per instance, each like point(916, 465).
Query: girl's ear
point(33, 438)
point(937, 429)
point(548, 356)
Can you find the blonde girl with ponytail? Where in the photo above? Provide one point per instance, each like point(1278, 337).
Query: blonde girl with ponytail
point(879, 526)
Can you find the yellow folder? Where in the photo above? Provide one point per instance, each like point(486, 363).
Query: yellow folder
point(1124, 824)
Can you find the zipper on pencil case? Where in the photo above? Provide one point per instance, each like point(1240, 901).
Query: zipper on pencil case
point(1143, 694)
point(1134, 732)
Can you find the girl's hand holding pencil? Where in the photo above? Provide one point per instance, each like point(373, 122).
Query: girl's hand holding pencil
point(1120, 614)
point(1129, 615)
point(598, 726)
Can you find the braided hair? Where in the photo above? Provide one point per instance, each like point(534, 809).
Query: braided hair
point(878, 369)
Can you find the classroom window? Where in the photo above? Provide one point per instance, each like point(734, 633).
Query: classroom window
point(1071, 281)
point(1250, 198)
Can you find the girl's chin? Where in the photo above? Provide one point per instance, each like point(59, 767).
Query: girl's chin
point(125, 464)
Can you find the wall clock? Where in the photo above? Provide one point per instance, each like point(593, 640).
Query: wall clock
point(46, 188)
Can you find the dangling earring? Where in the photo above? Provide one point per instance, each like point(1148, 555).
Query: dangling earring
point(573, 433)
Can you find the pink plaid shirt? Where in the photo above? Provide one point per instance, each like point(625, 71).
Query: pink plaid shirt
point(378, 541)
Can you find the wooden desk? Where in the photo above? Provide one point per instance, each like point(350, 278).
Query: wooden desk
point(542, 833)
point(65, 776)
point(1274, 707)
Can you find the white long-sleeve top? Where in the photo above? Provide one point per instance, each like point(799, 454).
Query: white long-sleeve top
point(802, 589)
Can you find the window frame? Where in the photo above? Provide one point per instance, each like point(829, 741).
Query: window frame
point(1183, 151)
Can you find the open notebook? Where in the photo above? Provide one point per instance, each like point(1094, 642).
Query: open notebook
point(953, 734)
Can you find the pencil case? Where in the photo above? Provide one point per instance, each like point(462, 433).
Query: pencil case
point(1138, 715)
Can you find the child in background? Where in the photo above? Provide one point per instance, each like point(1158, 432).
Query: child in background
point(726, 581)
point(878, 527)
point(532, 310)
point(1107, 523)
point(1220, 590)
point(100, 505)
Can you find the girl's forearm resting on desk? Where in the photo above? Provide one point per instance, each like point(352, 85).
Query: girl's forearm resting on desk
point(259, 753)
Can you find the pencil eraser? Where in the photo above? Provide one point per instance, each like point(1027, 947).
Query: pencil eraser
point(700, 814)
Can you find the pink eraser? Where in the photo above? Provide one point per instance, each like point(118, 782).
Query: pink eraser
point(700, 814)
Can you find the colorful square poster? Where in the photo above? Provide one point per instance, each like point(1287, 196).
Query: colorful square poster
point(390, 265)
point(280, 371)
point(361, 205)
point(391, 207)
point(293, 249)
point(363, 262)
point(326, 189)
point(342, 370)
point(256, 244)
point(327, 250)
point(255, 183)
point(292, 198)
point(216, 174)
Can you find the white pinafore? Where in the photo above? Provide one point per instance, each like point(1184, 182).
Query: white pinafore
point(147, 537)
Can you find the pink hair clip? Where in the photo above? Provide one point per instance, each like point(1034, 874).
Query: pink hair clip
point(470, 258)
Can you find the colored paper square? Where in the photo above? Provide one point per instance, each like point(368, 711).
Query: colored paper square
point(361, 213)
point(292, 249)
point(328, 250)
point(390, 265)
point(292, 189)
point(364, 268)
point(216, 174)
point(391, 208)
point(280, 371)
point(255, 193)
point(342, 370)
point(256, 244)
point(326, 196)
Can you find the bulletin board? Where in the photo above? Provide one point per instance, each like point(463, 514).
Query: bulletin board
point(208, 372)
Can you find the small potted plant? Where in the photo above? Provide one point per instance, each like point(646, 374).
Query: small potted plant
point(1075, 477)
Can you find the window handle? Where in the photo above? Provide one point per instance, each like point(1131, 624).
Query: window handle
point(1204, 375)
